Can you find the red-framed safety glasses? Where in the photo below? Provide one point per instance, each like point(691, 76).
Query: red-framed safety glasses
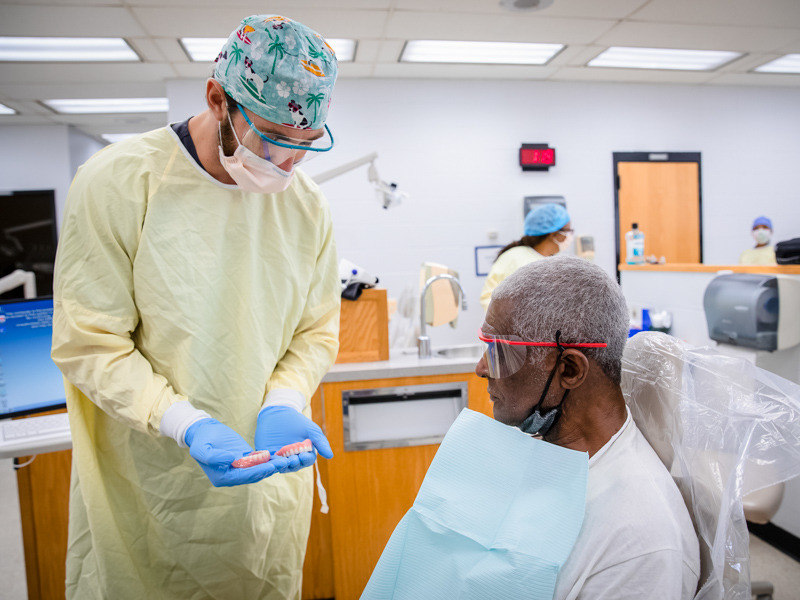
point(506, 354)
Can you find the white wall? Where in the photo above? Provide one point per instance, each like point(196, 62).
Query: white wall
point(43, 157)
point(35, 157)
point(453, 146)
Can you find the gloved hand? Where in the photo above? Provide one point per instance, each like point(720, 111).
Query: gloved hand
point(279, 426)
point(215, 446)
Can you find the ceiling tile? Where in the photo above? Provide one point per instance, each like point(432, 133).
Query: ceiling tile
point(147, 49)
point(698, 37)
point(171, 49)
point(630, 75)
point(501, 28)
point(367, 51)
point(460, 71)
point(747, 13)
point(574, 55)
point(39, 91)
point(67, 21)
point(249, 7)
point(355, 70)
point(200, 71)
point(220, 22)
point(760, 79)
point(390, 51)
point(85, 72)
point(585, 9)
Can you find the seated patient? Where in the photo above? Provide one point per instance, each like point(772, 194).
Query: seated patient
point(637, 540)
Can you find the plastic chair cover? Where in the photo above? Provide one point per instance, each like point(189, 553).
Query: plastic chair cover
point(723, 428)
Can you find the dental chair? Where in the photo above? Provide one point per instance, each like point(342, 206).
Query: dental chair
point(729, 434)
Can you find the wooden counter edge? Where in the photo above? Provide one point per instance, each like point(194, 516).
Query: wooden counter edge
point(700, 268)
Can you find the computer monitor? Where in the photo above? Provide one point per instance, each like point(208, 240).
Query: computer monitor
point(30, 382)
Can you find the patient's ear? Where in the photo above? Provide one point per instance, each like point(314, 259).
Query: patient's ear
point(574, 368)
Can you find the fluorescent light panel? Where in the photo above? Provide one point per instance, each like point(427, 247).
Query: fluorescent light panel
point(52, 49)
point(662, 58)
point(108, 105)
point(7, 110)
point(207, 49)
point(789, 63)
point(117, 137)
point(508, 53)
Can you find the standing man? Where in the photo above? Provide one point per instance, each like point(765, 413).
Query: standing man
point(196, 310)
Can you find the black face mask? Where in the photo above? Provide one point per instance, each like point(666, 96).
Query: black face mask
point(536, 423)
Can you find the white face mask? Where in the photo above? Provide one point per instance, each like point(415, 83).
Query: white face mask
point(253, 173)
point(562, 246)
point(762, 236)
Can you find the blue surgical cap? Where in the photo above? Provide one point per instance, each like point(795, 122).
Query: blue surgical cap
point(762, 221)
point(545, 219)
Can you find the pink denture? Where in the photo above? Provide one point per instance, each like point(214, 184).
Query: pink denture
point(292, 449)
point(251, 460)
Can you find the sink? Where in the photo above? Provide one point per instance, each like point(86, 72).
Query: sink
point(470, 351)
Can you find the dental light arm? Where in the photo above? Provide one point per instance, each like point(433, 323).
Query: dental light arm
point(387, 192)
point(19, 278)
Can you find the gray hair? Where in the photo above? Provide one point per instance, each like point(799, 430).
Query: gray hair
point(572, 295)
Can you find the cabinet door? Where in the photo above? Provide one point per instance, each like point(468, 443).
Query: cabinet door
point(44, 508)
point(371, 490)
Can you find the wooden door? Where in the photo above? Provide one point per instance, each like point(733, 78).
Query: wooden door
point(664, 199)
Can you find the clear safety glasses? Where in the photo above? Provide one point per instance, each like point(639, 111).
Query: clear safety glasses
point(279, 149)
point(506, 354)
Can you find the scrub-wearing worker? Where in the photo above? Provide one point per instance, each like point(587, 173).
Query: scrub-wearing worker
point(547, 232)
point(197, 305)
point(763, 253)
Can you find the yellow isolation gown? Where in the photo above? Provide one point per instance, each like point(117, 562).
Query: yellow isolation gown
point(765, 255)
point(508, 262)
point(172, 286)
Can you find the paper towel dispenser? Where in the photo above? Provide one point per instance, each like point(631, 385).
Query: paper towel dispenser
point(755, 311)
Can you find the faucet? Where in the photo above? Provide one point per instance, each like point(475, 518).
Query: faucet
point(423, 341)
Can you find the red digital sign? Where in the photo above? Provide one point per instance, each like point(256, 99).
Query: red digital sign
point(536, 157)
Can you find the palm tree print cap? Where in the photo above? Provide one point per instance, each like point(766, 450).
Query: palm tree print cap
point(279, 69)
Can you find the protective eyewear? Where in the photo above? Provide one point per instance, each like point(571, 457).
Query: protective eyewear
point(278, 148)
point(506, 354)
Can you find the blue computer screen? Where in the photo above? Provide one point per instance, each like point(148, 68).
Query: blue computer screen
point(29, 380)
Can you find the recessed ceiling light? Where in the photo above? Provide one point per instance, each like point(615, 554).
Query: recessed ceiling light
point(108, 105)
point(789, 63)
point(53, 49)
point(7, 110)
point(662, 58)
point(117, 137)
point(207, 49)
point(509, 53)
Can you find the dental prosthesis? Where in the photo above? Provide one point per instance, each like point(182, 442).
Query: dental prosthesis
point(261, 456)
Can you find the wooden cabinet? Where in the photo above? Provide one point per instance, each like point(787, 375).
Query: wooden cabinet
point(369, 491)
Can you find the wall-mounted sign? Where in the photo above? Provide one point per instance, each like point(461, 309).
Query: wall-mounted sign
point(536, 157)
point(484, 259)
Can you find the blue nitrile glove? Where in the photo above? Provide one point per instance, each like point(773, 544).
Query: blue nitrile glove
point(279, 426)
point(215, 446)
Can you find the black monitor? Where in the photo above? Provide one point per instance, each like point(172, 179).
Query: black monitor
point(28, 238)
point(30, 382)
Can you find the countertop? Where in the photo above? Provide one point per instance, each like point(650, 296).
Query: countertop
point(402, 363)
point(701, 268)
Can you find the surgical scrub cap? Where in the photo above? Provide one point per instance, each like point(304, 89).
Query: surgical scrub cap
point(762, 221)
point(545, 219)
point(279, 69)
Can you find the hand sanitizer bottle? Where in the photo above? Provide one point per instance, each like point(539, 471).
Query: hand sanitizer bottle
point(634, 246)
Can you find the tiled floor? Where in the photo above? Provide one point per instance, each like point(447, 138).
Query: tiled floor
point(766, 562)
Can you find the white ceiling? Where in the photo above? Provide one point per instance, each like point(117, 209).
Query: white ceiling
point(762, 29)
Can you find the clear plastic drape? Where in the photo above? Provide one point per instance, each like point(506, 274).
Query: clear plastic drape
point(724, 428)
